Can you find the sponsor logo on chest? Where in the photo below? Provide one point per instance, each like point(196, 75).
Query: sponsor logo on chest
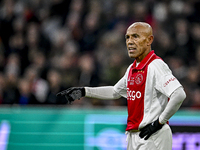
point(132, 95)
point(135, 85)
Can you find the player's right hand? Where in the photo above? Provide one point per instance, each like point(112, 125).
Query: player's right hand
point(72, 94)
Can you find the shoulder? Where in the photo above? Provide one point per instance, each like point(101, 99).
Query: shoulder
point(159, 66)
point(158, 63)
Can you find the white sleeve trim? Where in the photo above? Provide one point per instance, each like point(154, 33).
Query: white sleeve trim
point(104, 92)
point(176, 99)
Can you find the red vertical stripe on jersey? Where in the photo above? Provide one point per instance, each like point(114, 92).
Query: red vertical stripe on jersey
point(136, 91)
point(135, 98)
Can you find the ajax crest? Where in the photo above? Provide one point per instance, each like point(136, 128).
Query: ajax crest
point(139, 79)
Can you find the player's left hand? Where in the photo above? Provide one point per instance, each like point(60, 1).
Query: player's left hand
point(149, 129)
point(72, 94)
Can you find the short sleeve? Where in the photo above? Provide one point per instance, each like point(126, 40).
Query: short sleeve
point(166, 82)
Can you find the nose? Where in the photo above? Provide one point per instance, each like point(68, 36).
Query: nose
point(129, 41)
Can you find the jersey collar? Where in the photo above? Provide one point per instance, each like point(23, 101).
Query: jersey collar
point(145, 61)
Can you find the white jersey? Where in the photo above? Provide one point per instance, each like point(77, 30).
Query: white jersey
point(147, 88)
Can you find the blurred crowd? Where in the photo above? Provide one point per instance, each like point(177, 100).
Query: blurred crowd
point(49, 45)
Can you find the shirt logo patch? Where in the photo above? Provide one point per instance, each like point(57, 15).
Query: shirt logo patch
point(131, 80)
point(170, 80)
point(139, 78)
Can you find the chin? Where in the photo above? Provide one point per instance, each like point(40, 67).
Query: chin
point(131, 56)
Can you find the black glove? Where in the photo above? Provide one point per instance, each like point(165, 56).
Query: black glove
point(149, 129)
point(72, 94)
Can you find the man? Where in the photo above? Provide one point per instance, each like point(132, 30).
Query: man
point(153, 93)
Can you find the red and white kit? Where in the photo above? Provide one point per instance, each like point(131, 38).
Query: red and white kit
point(147, 88)
point(152, 92)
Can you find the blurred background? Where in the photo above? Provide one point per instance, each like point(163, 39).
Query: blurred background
point(49, 45)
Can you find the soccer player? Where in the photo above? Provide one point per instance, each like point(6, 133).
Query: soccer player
point(153, 93)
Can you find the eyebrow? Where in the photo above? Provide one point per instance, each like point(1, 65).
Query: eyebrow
point(131, 35)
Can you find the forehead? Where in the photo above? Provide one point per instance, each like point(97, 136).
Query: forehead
point(138, 29)
point(135, 30)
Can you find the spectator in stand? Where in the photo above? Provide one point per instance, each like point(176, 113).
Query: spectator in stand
point(55, 85)
point(39, 87)
point(25, 94)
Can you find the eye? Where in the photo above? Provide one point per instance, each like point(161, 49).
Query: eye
point(135, 35)
point(127, 36)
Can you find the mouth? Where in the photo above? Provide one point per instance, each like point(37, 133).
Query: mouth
point(131, 49)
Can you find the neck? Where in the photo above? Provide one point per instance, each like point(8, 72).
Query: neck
point(141, 57)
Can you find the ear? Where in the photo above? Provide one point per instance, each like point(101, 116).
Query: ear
point(150, 40)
